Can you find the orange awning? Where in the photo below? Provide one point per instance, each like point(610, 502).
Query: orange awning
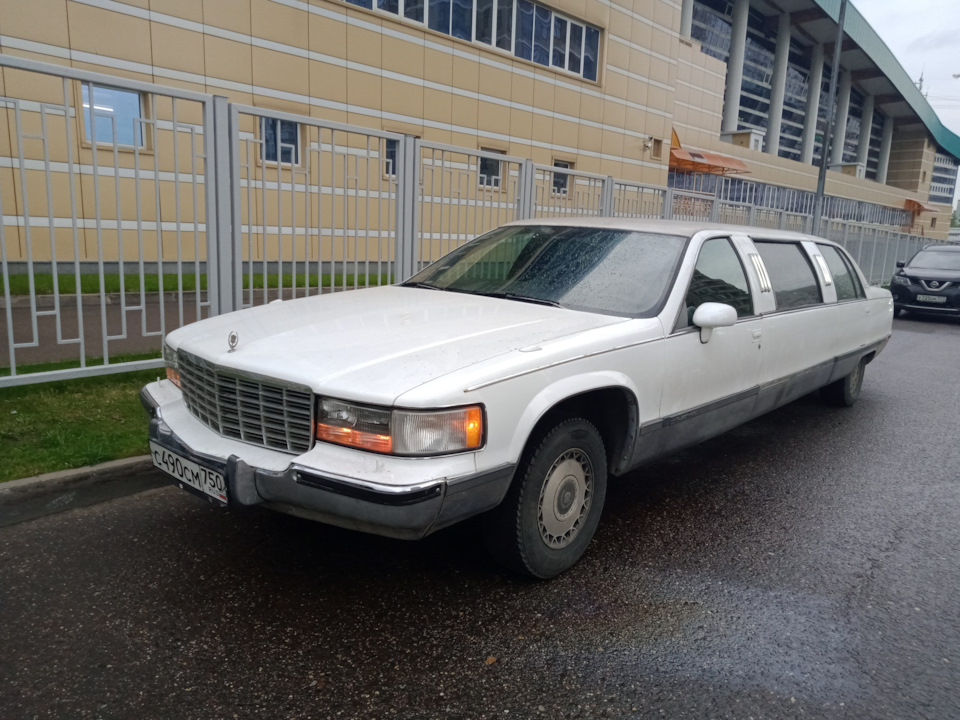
point(703, 161)
point(919, 207)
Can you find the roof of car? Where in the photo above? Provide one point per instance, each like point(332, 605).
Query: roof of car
point(687, 228)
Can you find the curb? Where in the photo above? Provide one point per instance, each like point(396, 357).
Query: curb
point(36, 497)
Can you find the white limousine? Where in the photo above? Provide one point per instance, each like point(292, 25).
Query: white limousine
point(511, 377)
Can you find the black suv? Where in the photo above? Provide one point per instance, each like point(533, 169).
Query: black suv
point(929, 282)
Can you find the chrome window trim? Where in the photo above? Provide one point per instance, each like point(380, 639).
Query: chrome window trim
point(761, 270)
point(825, 274)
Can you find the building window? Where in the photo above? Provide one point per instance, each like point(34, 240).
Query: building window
point(490, 169)
point(116, 115)
point(282, 134)
point(559, 42)
point(504, 31)
point(484, 32)
point(576, 49)
point(541, 35)
point(439, 16)
point(523, 45)
point(413, 10)
point(561, 180)
point(523, 28)
point(462, 21)
point(591, 50)
point(390, 158)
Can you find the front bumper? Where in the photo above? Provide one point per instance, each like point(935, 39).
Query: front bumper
point(906, 298)
point(406, 512)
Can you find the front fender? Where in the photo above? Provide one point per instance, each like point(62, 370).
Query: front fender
point(563, 389)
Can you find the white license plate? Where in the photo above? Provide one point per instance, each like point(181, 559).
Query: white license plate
point(932, 298)
point(189, 473)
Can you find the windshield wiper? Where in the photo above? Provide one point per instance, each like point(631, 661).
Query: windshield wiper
point(426, 286)
point(521, 298)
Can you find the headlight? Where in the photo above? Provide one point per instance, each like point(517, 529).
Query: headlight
point(901, 279)
point(400, 432)
point(170, 360)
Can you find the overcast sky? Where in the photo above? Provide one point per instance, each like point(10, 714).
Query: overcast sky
point(924, 35)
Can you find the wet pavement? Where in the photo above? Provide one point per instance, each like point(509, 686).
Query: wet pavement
point(803, 566)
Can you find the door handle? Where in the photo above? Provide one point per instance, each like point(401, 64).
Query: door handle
point(757, 334)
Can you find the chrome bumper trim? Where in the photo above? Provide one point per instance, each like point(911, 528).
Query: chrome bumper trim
point(409, 512)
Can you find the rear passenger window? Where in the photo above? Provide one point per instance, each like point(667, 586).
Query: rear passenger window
point(844, 278)
point(792, 277)
point(719, 277)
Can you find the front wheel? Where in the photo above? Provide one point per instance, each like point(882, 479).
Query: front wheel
point(846, 391)
point(552, 509)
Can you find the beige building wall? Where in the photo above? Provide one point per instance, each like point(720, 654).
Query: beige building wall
point(337, 62)
point(343, 63)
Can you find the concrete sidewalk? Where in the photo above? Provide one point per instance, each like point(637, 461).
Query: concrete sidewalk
point(30, 498)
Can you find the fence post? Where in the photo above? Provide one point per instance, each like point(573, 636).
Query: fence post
point(408, 205)
point(873, 255)
point(220, 185)
point(526, 190)
point(886, 253)
point(606, 197)
point(752, 216)
point(666, 212)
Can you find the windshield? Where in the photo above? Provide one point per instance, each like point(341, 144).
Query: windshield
point(936, 260)
point(618, 272)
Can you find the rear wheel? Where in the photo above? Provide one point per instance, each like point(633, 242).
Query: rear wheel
point(846, 391)
point(551, 511)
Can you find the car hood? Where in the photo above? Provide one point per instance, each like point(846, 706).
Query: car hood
point(373, 345)
point(932, 274)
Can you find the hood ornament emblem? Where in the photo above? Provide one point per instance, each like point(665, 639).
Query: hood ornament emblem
point(232, 340)
point(935, 284)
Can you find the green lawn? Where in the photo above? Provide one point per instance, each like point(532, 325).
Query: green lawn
point(67, 285)
point(71, 423)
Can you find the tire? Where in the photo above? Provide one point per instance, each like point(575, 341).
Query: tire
point(550, 513)
point(846, 391)
point(897, 311)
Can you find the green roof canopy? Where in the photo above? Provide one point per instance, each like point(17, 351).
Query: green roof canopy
point(859, 30)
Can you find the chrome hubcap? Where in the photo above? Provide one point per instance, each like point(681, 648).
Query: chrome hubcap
point(565, 498)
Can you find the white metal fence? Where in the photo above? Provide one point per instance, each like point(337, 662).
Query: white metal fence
point(113, 235)
point(103, 244)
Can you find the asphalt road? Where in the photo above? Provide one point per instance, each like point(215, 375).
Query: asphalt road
point(803, 566)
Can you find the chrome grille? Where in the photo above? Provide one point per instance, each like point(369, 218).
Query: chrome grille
point(238, 407)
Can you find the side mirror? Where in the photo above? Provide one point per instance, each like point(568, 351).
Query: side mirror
point(900, 263)
point(712, 315)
